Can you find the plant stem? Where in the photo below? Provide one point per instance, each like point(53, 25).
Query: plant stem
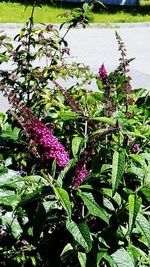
point(31, 24)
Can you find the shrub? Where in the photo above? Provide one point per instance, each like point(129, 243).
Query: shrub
point(75, 162)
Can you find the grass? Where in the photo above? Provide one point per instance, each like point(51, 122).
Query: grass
point(15, 12)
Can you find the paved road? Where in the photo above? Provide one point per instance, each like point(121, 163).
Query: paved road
point(97, 45)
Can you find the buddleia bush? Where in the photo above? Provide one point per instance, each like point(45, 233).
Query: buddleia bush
point(74, 154)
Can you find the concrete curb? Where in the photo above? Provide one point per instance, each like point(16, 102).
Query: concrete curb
point(93, 25)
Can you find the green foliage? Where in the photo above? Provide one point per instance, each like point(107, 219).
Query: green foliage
point(94, 211)
point(118, 166)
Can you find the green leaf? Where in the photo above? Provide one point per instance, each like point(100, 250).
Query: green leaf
point(76, 145)
point(62, 174)
point(105, 168)
point(122, 258)
point(116, 197)
point(33, 179)
point(134, 206)
point(9, 221)
point(118, 166)
point(8, 198)
point(82, 259)
point(68, 115)
point(37, 194)
point(146, 191)
point(99, 84)
point(3, 58)
point(10, 133)
point(136, 253)
point(53, 169)
point(109, 260)
point(93, 207)
point(9, 178)
point(63, 196)
point(66, 249)
point(139, 172)
point(33, 260)
point(146, 156)
point(107, 203)
point(81, 234)
point(139, 159)
point(8, 46)
point(100, 256)
point(2, 118)
point(144, 227)
point(104, 119)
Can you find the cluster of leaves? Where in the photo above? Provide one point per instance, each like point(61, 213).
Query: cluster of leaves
point(104, 125)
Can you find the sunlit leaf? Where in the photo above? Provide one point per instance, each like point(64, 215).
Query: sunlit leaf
point(144, 227)
point(68, 115)
point(122, 258)
point(82, 259)
point(139, 172)
point(63, 196)
point(134, 206)
point(138, 158)
point(146, 191)
point(81, 234)
point(9, 198)
point(93, 207)
point(66, 249)
point(104, 119)
point(77, 141)
point(118, 166)
point(116, 197)
point(136, 253)
point(9, 221)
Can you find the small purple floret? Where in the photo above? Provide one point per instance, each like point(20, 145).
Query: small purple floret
point(135, 148)
point(20, 173)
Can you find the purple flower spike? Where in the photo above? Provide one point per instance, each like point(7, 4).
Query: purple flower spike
point(81, 175)
point(44, 144)
point(48, 146)
point(102, 72)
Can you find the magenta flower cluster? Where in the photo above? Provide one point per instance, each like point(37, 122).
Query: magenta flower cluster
point(47, 145)
point(103, 73)
point(81, 175)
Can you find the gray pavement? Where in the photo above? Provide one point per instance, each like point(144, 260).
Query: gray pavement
point(97, 45)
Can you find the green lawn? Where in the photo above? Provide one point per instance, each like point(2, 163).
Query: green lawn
point(15, 12)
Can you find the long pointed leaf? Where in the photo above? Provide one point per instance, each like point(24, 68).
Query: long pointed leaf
point(77, 141)
point(144, 226)
point(104, 119)
point(93, 207)
point(134, 206)
point(81, 234)
point(122, 258)
point(82, 259)
point(118, 166)
point(63, 196)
